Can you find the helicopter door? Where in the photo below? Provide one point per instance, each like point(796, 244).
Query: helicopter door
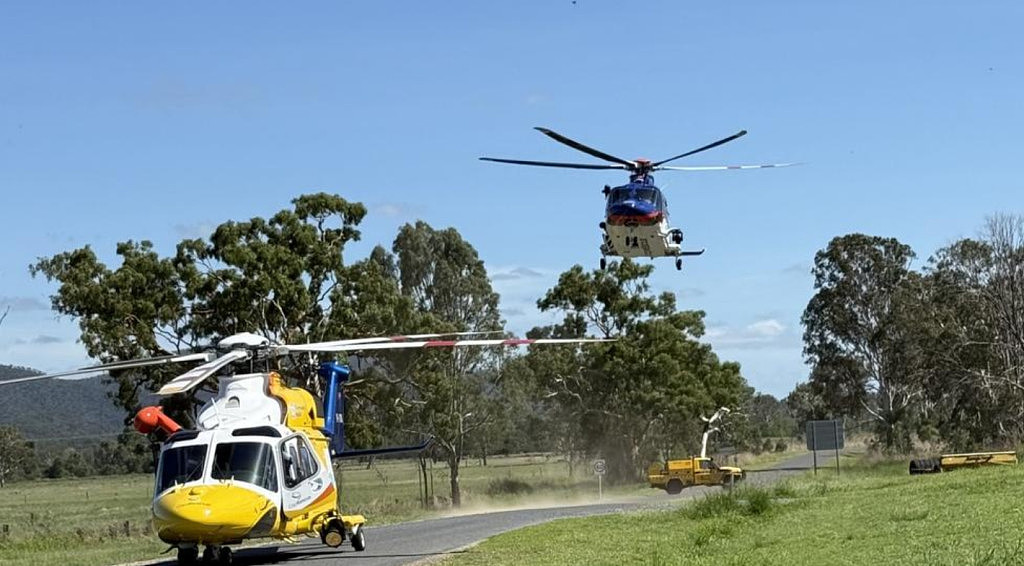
point(305, 479)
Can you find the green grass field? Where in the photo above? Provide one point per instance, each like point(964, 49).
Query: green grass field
point(874, 514)
point(82, 521)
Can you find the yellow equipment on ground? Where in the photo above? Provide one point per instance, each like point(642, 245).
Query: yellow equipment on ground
point(948, 462)
point(674, 475)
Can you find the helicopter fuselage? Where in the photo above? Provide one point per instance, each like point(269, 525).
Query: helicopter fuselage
point(259, 465)
point(636, 221)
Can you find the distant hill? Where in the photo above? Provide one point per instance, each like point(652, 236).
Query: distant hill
point(59, 412)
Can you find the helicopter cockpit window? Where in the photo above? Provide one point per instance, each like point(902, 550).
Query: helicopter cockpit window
point(619, 195)
point(250, 462)
point(298, 461)
point(648, 195)
point(180, 465)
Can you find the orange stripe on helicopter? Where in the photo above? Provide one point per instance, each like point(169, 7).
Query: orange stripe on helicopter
point(327, 493)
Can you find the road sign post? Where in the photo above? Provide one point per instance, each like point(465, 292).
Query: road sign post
point(825, 435)
point(835, 431)
point(599, 469)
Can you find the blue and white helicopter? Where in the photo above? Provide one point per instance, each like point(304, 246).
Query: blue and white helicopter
point(636, 214)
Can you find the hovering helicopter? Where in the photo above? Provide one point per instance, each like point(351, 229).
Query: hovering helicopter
point(636, 214)
point(258, 463)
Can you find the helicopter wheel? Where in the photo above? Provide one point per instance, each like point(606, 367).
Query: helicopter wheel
point(358, 540)
point(188, 555)
point(679, 264)
point(225, 556)
point(603, 264)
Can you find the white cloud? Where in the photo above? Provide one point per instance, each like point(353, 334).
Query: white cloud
point(797, 269)
point(691, 292)
point(519, 287)
point(764, 333)
point(510, 274)
point(41, 339)
point(23, 304)
point(767, 328)
point(196, 230)
point(394, 209)
point(45, 353)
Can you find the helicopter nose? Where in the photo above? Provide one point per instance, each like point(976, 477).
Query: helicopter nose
point(212, 514)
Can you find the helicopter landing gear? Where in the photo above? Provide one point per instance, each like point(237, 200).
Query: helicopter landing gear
point(358, 540)
point(333, 533)
point(604, 264)
point(188, 555)
point(679, 264)
point(211, 555)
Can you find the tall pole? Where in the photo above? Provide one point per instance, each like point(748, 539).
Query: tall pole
point(814, 447)
point(835, 431)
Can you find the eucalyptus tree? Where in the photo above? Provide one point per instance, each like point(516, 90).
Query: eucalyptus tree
point(648, 388)
point(858, 332)
point(448, 394)
point(975, 336)
point(280, 277)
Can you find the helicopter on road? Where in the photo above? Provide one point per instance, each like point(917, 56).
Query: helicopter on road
point(258, 463)
point(636, 214)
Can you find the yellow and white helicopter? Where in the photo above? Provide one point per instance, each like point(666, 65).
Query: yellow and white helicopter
point(258, 463)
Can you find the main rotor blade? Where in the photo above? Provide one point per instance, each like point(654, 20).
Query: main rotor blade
point(459, 343)
point(553, 164)
point(585, 149)
point(196, 375)
point(113, 366)
point(724, 167)
point(738, 134)
point(360, 452)
point(319, 346)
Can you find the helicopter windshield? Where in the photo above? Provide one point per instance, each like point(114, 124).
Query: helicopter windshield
point(648, 195)
point(619, 195)
point(250, 462)
point(624, 193)
point(180, 465)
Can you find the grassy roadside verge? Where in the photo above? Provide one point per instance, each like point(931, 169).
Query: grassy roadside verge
point(873, 514)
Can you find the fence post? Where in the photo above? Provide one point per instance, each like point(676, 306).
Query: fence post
point(127, 529)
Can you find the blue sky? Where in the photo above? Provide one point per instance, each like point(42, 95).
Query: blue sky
point(159, 121)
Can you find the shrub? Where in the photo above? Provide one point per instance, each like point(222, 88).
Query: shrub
point(508, 486)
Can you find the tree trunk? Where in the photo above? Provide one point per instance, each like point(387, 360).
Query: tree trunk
point(426, 484)
point(453, 468)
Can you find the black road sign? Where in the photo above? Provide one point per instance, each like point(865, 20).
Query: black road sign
point(825, 435)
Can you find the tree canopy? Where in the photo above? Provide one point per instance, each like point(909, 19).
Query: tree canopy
point(285, 277)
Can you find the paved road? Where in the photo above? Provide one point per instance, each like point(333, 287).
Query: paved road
point(405, 543)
